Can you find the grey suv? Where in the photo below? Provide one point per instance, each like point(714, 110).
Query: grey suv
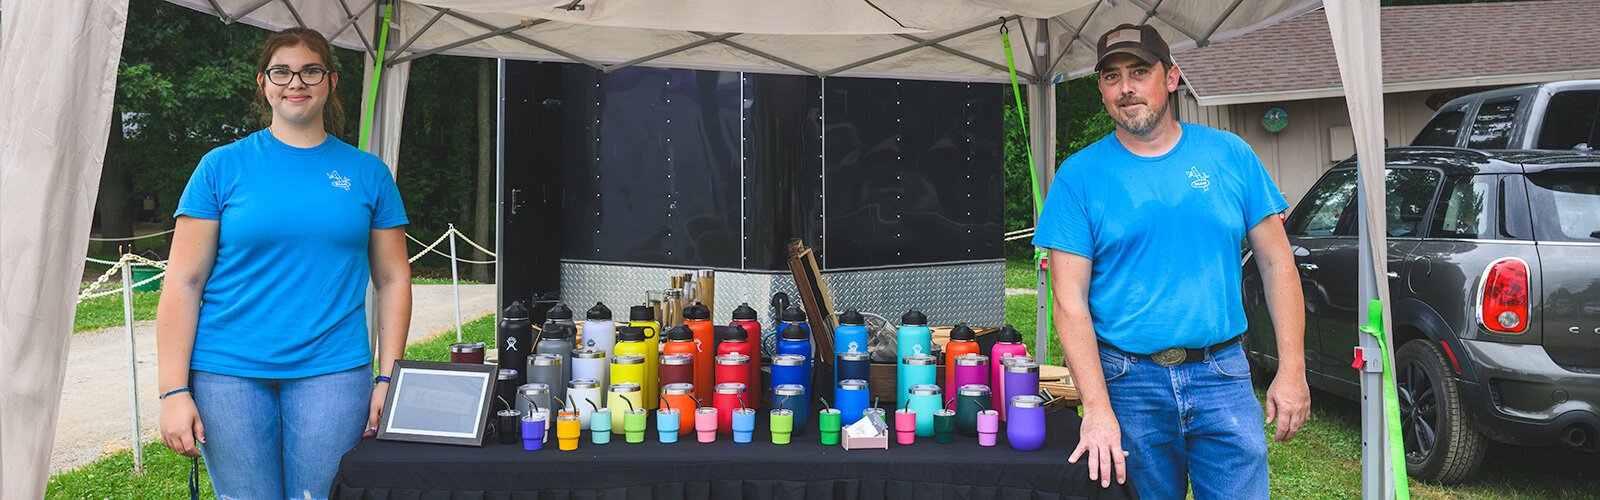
point(1494, 276)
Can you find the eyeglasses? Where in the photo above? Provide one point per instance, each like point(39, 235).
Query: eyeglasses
point(309, 76)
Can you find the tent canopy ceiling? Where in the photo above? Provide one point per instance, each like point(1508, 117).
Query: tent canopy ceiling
point(953, 40)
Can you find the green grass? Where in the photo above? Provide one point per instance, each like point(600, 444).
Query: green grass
point(167, 473)
point(440, 281)
point(1020, 314)
point(104, 312)
point(1021, 274)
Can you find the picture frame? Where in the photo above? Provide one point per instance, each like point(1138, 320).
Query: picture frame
point(441, 403)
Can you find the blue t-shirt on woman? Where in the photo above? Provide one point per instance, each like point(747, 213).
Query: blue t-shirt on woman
point(1164, 234)
point(286, 297)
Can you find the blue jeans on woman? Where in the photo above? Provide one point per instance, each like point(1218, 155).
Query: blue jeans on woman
point(279, 438)
point(1198, 422)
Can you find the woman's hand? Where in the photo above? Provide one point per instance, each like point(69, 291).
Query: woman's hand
point(375, 410)
point(181, 429)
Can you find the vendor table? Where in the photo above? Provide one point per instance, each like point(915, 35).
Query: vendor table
point(687, 469)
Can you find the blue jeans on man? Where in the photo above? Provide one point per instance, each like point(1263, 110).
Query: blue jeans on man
point(1196, 422)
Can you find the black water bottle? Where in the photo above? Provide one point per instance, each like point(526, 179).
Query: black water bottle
point(514, 339)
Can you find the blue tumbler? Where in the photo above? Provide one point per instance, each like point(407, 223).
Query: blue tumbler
point(600, 426)
point(853, 365)
point(793, 397)
point(790, 369)
point(744, 425)
point(851, 396)
point(667, 424)
point(925, 399)
point(916, 369)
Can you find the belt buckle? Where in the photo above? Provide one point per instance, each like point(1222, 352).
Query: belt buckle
point(1169, 357)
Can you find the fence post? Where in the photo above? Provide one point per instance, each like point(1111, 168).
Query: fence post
point(133, 365)
point(455, 280)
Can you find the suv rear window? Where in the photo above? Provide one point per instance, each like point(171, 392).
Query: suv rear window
point(1491, 129)
point(1442, 130)
point(1464, 208)
point(1566, 204)
point(1570, 119)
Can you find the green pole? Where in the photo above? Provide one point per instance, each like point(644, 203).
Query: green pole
point(369, 108)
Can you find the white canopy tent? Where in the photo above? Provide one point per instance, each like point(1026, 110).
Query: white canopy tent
point(58, 65)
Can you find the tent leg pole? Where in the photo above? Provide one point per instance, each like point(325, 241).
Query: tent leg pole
point(1042, 134)
point(1375, 464)
point(133, 363)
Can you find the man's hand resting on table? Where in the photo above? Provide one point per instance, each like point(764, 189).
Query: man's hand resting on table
point(1101, 439)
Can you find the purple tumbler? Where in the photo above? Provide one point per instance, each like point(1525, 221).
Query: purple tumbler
point(1025, 429)
point(1021, 379)
point(970, 369)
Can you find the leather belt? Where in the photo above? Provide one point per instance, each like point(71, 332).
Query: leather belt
point(1178, 355)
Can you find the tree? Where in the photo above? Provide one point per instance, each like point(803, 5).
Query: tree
point(487, 75)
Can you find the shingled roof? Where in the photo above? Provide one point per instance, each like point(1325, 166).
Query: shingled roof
point(1424, 47)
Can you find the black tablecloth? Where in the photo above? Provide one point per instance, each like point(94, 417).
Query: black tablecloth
point(687, 469)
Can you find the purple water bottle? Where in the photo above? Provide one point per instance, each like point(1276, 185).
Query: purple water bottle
point(1025, 429)
point(1021, 379)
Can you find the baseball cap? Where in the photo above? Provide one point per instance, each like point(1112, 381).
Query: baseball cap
point(1141, 41)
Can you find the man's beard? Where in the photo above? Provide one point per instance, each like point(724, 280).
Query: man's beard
point(1145, 126)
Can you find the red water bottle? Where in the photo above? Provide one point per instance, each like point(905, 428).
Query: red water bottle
point(735, 339)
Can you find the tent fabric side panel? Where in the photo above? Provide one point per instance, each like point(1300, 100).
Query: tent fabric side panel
point(52, 147)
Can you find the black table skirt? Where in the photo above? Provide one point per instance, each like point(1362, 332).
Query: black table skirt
point(804, 469)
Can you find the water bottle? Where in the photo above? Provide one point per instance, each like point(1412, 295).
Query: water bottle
point(744, 317)
point(913, 338)
point(514, 339)
point(796, 340)
point(599, 331)
point(698, 318)
point(631, 341)
point(850, 336)
point(735, 339)
point(643, 318)
point(962, 341)
point(1009, 343)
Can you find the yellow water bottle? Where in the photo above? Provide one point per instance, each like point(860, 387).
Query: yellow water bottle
point(643, 320)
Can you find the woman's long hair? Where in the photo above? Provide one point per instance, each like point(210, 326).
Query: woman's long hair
point(333, 113)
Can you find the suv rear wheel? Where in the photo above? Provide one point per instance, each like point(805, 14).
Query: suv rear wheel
point(1440, 445)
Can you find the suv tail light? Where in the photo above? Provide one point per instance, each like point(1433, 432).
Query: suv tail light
point(1503, 296)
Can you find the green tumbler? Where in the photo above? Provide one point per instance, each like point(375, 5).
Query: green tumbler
point(944, 426)
point(828, 421)
point(633, 422)
point(782, 425)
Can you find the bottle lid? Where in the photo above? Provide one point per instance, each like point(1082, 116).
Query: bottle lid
point(599, 312)
point(944, 412)
point(641, 313)
point(733, 358)
point(517, 310)
point(677, 388)
point(559, 311)
point(788, 360)
point(852, 384)
point(733, 333)
point(697, 311)
point(583, 383)
point(914, 317)
point(852, 317)
point(782, 412)
point(730, 388)
point(973, 390)
point(467, 347)
point(557, 331)
point(630, 334)
point(1009, 335)
point(534, 388)
point(925, 390)
point(794, 315)
point(680, 333)
point(677, 359)
point(795, 332)
point(854, 356)
point(1027, 401)
point(588, 353)
point(627, 359)
point(1020, 364)
point(789, 390)
point(623, 387)
point(508, 412)
point(921, 359)
point(962, 332)
point(972, 360)
point(744, 312)
point(545, 359)
point(508, 373)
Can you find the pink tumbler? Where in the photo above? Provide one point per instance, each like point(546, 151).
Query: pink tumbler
point(970, 369)
point(705, 424)
point(905, 426)
point(988, 427)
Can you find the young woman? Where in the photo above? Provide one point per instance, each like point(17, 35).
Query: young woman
point(262, 328)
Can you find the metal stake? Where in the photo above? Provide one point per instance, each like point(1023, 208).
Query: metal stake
point(133, 366)
point(455, 281)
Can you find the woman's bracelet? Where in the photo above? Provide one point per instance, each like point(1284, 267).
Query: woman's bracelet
point(174, 391)
point(378, 379)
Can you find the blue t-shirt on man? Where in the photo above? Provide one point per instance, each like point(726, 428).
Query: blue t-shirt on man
point(286, 296)
point(1164, 234)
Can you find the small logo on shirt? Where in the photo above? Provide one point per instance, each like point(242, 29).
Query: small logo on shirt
point(339, 181)
point(1202, 180)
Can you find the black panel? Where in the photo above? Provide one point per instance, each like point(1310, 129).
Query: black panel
point(658, 181)
point(531, 194)
point(913, 172)
point(783, 144)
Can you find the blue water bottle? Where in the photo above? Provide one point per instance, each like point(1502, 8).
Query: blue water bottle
point(913, 338)
point(796, 340)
